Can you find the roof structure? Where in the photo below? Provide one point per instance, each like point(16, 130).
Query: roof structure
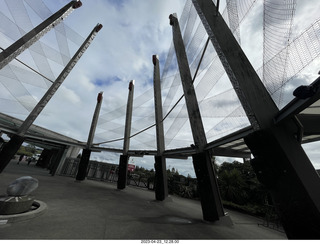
point(224, 119)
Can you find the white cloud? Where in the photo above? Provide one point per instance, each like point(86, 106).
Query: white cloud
point(312, 150)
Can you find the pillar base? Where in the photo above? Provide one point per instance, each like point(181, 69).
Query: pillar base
point(58, 156)
point(83, 165)
point(9, 150)
point(123, 172)
point(211, 203)
point(275, 168)
point(45, 158)
point(161, 183)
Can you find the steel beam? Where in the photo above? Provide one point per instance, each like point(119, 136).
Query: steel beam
point(297, 105)
point(310, 123)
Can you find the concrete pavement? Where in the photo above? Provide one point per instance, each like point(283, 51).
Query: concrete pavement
point(97, 210)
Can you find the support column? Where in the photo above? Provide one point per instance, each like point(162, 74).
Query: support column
point(7, 154)
point(123, 171)
point(45, 158)
point(123, 163)
point(245, 81)
point(279, 160)
point(161, 182)
point(161, 179)
point(85, 157)
point(279, 164)
point(83, 165)
point(9, 150)
point(63, 158)
point(211, 203)
point(58, 154)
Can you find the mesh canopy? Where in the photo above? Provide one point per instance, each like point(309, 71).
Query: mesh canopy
point(29, 76)
point(285, 54)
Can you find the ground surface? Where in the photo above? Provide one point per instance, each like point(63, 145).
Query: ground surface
point(97, 210)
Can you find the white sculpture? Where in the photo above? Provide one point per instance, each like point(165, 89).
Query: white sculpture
point(22, 186)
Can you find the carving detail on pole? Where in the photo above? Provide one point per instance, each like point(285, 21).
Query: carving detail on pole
point(54, 87)
point(35, 34)
point(211, 204)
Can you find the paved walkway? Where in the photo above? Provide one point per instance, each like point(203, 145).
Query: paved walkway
point(97, 210)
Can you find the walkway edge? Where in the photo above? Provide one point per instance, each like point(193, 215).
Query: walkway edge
point(12, 218)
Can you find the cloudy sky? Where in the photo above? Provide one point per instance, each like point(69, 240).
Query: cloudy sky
point(133, 30)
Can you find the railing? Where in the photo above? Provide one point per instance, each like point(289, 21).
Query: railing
point(271, 219)
point(70, 167)
point(104, 172)
point(141, 181)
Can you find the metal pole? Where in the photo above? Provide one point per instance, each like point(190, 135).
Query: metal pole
point(208, 188)
point(161, 184)
point(35, 34)
point(123, 164)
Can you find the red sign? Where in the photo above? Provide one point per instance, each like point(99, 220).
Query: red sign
point(131, 167)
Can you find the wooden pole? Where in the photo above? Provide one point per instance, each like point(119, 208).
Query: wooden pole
point(211, 203)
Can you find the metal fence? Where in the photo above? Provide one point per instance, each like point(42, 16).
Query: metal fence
point(70, 167)
point(104, 172)
point(272, 220)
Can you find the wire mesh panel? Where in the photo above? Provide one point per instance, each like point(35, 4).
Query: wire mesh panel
point(285, 52)
point(29, 76)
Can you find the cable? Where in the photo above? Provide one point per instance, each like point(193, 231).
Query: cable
point(31, 68)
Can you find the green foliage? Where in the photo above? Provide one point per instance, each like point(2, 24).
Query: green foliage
point(23, 150)
point(240, 188)
point(251, 209)
point(232, 186)
point(145, 173)
point(28, 150)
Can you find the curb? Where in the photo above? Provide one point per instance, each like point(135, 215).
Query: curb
point(12, 218)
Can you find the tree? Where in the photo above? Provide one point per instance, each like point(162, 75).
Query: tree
point(31, 148)
point(232, 186)
point(239, 184)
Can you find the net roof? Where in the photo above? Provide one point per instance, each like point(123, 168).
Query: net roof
point(287, 49)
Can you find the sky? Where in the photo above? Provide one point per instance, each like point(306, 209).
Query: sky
point(133, 31)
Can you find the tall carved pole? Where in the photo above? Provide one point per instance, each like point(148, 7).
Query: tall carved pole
point(86, 152)
point(161, 184)
point(17, 139)
point(279, 160)
point(124, 158)
point(35, 34)
point(211, 203)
